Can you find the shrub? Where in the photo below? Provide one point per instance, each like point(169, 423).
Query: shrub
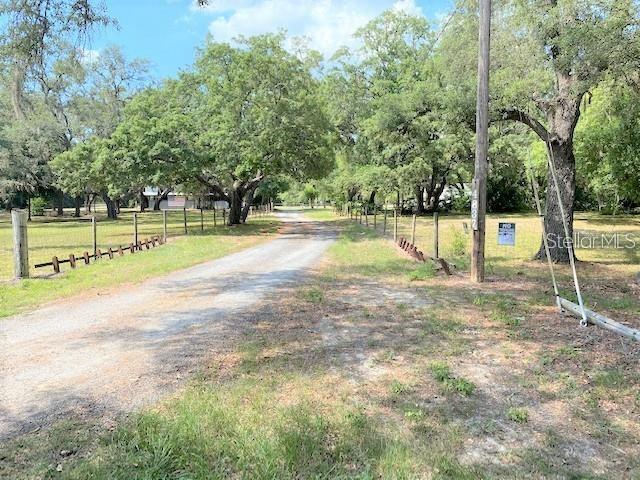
point(458, 243)
point(38, 206)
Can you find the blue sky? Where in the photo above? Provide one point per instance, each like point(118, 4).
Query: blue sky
point(167, 32)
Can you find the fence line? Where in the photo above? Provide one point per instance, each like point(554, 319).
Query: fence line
point(102, 238)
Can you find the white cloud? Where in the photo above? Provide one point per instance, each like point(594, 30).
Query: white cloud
point(328, 24)
point(88, 56)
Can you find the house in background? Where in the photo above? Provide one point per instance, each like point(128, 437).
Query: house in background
point(170, 200)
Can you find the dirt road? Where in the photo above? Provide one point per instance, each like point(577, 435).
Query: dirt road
point(115, 352)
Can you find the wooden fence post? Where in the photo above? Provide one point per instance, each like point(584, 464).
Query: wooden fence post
point(413, 230)
point(366, 215)
point(201, 220)
point(215, 220)
point(164, 225)
point(72, 260)
point(224, 216)
point(56, 264)
point(86, 258)
point(94, 226)
point(395, 225)
point(384, 223)
point(375, 217)
point(135, 228)
point(436, 253)
point(184, 214)
point(19, 219)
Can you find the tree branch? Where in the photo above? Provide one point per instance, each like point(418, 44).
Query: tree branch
point(213, 186)
point(525, 118)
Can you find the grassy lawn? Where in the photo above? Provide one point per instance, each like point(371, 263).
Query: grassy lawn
point(605, 273)
point(377, 367)
point(179, 252)
point(49, 236)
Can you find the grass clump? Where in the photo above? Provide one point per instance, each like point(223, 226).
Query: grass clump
point(518, 415)
point(442, 373)
point(312, 295)
point(243, 430)
point(398, 388)
point(424, 272)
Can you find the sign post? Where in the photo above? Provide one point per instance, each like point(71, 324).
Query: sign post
point(479, 194)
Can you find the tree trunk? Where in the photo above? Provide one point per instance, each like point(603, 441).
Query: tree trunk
point(433, 199)
point(247, 204)
point(235, 206)
point(78, 205)
point(566, 172)
point(61, 204)
point(419, 194)
point(144, 201)
point(162, 195)
point(111, 207)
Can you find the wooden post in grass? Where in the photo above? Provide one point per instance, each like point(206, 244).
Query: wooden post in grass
point(201, 220)
point(215, 220)
point(94, 227)
point(72, 260)
point(19, 219)
point(86, 258)
point(479, 191)
point(375, 217)
point(413, 230)
point(224, 216)
point(436, 253)
point(56, 265)
point(184, 215)
point(164, 225)
point(366, 215)
point(135, 228)
point(395, 225)
point(384, 223)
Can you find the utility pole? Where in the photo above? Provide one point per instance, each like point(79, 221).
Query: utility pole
point(479, 192)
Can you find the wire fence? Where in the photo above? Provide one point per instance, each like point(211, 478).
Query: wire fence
point(614, 240)
point(60, 237)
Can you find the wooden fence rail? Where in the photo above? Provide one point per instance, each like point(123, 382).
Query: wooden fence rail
point(87, 257)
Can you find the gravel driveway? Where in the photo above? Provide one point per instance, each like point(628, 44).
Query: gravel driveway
point(107, 353)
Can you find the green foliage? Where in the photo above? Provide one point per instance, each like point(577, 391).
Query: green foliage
point(424, 272)
point(607, 145)
point(38, 206)
point(442, 373)
point(243, 429)
point(518, 415)
point(458, 242)
point(398, 388)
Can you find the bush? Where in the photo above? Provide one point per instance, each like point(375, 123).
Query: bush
point(458, 243)
point(38, 206)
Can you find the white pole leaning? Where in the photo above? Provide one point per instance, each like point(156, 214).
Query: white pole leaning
point(584, 322)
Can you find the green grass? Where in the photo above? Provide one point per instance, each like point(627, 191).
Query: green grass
point(180, 253)
point(50, 236)
point(518, 415)
point(442, 373)
point(423, 272)
point(319, 213)
point(244, 430)
point(288, 409)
